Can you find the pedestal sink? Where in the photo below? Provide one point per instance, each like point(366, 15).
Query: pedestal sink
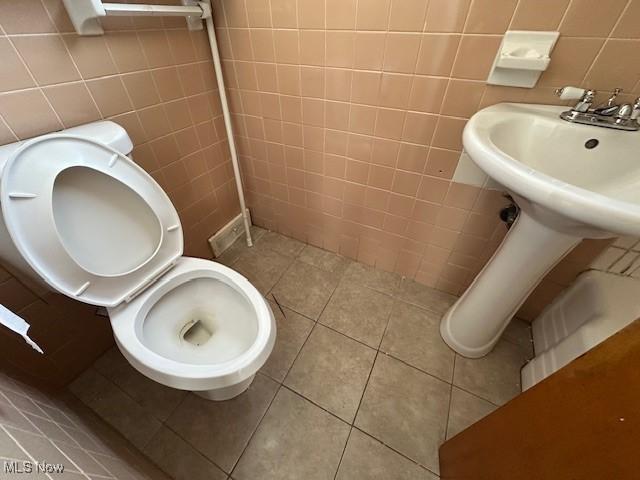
point(571, 182)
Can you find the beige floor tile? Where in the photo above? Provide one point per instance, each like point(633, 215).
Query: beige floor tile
point(11, 416)
point(405, 409)
point(296, 440)
point(41, 448)
point(231, 254)
point(305, 289)
point(519, 332)
point(292, 331)
point(494, 377)
point(221, 430)
point(367, 459)
point(82, 459)
point(385, 282)
point(324, 259)
point(465, 410)
point(332, 371)
point(423, 296)
point(413, 336)
point(279, 243)
point(262, 268)
point(179, 459)
point(115, 407)
point(358, 312)
point(156, 398)
point(9, 448)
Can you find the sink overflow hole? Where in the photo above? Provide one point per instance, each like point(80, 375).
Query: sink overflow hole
point(591, 143)
point(196, 333)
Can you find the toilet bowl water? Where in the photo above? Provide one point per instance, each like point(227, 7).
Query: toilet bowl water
point(202, 321)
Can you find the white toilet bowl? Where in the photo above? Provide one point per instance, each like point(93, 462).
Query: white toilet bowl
point(203, 328)
point(82, 216)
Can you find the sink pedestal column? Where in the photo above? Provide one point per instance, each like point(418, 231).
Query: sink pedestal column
point(473, 325)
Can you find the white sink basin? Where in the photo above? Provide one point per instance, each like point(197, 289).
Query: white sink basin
point(536, 155)
point(566, 192)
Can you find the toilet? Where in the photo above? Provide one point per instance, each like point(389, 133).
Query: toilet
point(82, 217)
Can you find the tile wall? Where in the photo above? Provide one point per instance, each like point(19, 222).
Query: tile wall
point(36, 427)
point(349, 116)
point(621, 258)
point(153, 77)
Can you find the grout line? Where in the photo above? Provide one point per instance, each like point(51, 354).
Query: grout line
point(396, 451)
point(453, 373)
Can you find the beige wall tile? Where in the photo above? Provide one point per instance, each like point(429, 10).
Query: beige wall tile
point(258, 13)
point(72, 103)
point(490, 16)
point(427, 94)
point(539, 14)
point(580, 16)
point(395, 90)
point(338, 84)
point(284, 14)
point(28, 113)
point(609, 70)
point(629, 24)
point(446, 15)
point(344, 93)
point(126, 51)
point(475, 56)
point(373, 14)
point(462, 98)
point(407, 15)
point(262, 44)
point(340, 49)
point(13, 75)
point(365, 87)
point(448, 133)
point(437, 54)
point(419, 128)
point(311, 13)
point(312, 47)
point(26, 16)
point(47, 58)
point(570, 61)
point(157, 51)
point(369, 50)
point(141, 89)
point(401, 52)
point(341, 14)
point(286, 46)
point(91, 56)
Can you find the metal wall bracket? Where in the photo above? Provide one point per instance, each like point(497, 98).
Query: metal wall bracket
point(85, 14)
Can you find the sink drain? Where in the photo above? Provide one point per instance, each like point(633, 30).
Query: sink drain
point(591, 143)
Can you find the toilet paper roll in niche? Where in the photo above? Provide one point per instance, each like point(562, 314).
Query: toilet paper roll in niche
point(17, 324)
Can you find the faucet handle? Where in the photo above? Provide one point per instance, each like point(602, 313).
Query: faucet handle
point(575, 93)
point(585, 97)
point(569, 93)
point(612, 98)
point(635, 113)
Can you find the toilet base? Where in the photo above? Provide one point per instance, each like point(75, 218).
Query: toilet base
point(226, 393)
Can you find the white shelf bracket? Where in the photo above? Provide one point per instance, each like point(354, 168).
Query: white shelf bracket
point(85, 14)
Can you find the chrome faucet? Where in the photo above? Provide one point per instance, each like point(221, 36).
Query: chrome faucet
point(610, 115)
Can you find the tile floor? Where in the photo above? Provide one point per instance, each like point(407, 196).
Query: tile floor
point(359, 385)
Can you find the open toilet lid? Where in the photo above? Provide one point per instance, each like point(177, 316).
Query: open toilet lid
point(93, 224)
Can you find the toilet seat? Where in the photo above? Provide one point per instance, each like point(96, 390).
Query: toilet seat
point(127, 321)
point(93, 224)
point(99, 229)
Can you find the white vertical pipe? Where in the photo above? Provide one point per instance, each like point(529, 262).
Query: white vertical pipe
point(227, 121)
